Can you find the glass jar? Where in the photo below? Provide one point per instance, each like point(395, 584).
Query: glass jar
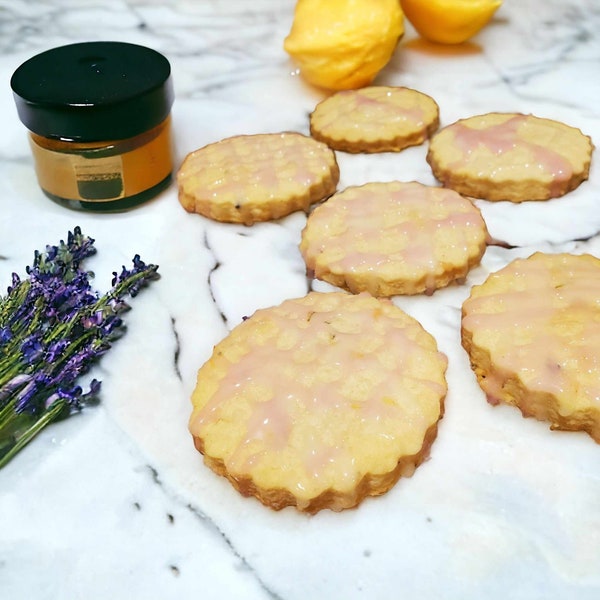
point(98, 115)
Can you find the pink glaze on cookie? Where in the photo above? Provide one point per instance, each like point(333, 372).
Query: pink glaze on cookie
point(381, 231)
point(537, 323)
point(361, 363)
point(504, 137)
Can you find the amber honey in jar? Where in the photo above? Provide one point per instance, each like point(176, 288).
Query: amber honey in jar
point(98, 115)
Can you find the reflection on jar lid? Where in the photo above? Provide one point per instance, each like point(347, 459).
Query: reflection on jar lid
point(93, 91)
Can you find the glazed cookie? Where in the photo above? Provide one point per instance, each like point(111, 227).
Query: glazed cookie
point(532, 332)
point(320, 401)
point(252, 178)
point(375, 119)
point(393, 238)
point(507, 156)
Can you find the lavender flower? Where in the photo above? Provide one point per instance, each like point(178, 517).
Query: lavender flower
point(53, 328)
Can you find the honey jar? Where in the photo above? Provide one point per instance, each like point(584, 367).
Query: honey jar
point(98, 115)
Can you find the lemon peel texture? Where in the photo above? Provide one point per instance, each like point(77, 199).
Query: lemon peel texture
point(449, 21)
point(343, 44)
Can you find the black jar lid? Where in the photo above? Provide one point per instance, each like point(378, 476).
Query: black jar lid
point(93, 91)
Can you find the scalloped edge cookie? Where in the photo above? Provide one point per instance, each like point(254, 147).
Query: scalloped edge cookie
point(532, 333)
point(254, 178)
point(510, 156)
point(393, 238)
point(320, 401)
point(375, 119)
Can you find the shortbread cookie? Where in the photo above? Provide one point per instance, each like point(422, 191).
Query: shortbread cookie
point(532, 332)
point(393, 238)
point(375, 119)
point(252, 178)
point(320, 401)
point(507, 156)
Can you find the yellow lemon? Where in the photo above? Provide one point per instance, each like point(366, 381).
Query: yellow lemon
point(343, 44)
point(449, 21)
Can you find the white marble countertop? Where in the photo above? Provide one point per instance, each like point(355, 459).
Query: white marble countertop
point(116, 503)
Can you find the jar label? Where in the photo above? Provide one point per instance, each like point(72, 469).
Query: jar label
point(99, 178)
point(102, 172)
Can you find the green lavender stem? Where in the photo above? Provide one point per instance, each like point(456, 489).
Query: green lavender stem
point(19, 428)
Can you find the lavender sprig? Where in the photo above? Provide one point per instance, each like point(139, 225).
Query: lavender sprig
point(53, 328)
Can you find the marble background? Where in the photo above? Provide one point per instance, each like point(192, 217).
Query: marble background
point(116, 503)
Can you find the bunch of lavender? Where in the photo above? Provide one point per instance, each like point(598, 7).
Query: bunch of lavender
point(53, 327)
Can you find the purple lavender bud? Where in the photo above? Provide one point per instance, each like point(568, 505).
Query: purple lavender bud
point(147, 272)
point(26, 398)
point(32, 348)
point(93, 320)
point(77, 364)
point(5, 334)
point(51, 400)
point(117, 278)
point(80, 245)
point(91, 397)
point(16, 281)
point(17, 382)
point(95, 386)
point(68, 398)
point(75, 398)
point(118, 306)
point(110, 327)
point(55, 350)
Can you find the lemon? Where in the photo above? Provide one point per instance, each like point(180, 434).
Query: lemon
point(343, 44)
point(449, 21)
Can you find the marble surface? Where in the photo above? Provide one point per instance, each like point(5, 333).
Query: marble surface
point(116, 503)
